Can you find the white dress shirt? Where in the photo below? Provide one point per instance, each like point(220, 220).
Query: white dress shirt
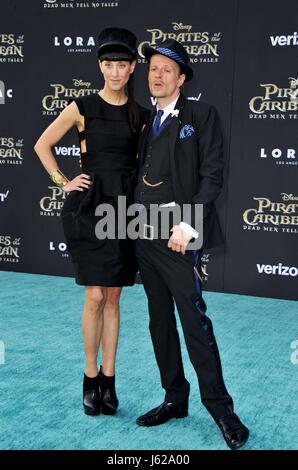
point(167, 110)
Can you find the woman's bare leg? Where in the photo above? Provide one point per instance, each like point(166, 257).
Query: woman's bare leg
point(92, 326)
point(111, 315)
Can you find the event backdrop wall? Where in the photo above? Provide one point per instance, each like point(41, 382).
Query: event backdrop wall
point(244, 55)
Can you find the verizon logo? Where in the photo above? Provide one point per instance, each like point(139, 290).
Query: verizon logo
point(277, 269)
point(290, 40)
point(71, 151)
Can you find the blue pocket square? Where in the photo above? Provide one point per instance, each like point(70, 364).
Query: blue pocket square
point(186, 131)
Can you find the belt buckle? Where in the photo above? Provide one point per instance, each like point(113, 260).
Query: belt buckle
point(148, 229)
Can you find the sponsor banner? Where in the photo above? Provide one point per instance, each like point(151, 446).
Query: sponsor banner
point(58, 249)
point(3, 195)
point(70, 151)
point(279, 156)
point(284, 40)
point(277, 270)
point(247, 81)
point(75, 44)
point(5, 92)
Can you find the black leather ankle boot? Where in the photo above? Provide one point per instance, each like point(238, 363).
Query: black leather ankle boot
point(91, 395)
point(109, 400)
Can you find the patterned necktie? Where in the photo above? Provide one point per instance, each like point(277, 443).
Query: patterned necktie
point(156, 123)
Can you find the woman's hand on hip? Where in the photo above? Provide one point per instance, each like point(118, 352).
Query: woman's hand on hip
point(79, 183)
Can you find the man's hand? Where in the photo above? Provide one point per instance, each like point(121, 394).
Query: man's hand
point(178, 240)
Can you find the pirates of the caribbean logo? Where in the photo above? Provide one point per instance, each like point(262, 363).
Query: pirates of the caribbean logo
point(52, 205)
point(53, 103)
point(9, 249)
point(11, 48)
point(201, 46)
point(275, 102)
point(11, 151)
point(273, 216)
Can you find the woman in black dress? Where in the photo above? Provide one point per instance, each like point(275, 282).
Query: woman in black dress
point(109, 124)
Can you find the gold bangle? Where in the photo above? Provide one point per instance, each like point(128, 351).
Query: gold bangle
point(59, 178)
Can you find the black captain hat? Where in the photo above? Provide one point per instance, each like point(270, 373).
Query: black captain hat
point(173, 50)
point(117, 39)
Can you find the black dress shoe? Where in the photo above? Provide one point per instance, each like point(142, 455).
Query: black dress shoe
point(163, 413)
point(109, 400)
point(234, 432)
point(91, 396)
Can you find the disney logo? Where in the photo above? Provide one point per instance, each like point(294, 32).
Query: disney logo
point(177, 26)
point(288, 197)
point(293, 82)
point(77, 82)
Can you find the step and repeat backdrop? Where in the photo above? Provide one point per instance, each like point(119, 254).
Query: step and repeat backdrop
point(244, 56)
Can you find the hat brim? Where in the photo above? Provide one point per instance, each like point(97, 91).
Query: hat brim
point(149, 51)
point(112, 46)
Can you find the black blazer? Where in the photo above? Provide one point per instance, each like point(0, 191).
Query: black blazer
point(196, 161)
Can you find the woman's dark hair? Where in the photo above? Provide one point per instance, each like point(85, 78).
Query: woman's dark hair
point(133, 112)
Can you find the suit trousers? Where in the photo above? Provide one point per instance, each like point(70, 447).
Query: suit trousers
point(170, 277)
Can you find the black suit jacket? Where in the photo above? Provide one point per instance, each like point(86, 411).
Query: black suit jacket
point(196, 162)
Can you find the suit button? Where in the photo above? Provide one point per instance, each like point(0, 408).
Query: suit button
point(147, 165)
point(142, 193)
point(148, 156)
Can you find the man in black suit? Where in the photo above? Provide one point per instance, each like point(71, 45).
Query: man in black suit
point(180, 162)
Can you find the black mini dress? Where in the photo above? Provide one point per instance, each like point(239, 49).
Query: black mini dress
point(111, 161)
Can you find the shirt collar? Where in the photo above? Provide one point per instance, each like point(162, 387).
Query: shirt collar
point(168, 109)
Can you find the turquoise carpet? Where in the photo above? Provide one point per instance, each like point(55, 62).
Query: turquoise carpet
point(41, 377)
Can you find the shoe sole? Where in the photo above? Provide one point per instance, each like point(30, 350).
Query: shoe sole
point(181, 415)
point(88, 411)
point(238, 446)
point(105, 410)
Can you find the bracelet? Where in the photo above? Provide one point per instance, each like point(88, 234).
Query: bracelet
point(59, 178)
